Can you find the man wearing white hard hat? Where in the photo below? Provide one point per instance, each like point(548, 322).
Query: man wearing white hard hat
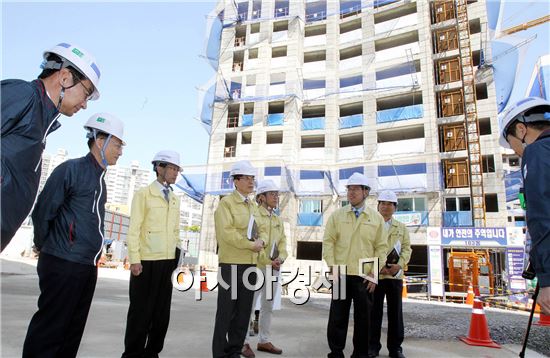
point(525, 127)
point(153, 237)
point(238, 250)
point(275, 253)
point(29, 113)
point(68, 223)
point(390, 284)
point(353, 233)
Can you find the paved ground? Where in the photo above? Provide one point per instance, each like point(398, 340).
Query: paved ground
point(299, 330)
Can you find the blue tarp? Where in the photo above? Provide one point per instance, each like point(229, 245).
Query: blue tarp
point(272, 171)
point(311, 174)
point(457, 218)
point(193, 185)
point(355, 120)
point(347, 172)
point(314, 84)
point(512, 184)
point(275, 119)
point(395, 71)
point(400, 114)
point(310, 219)
point(406, 169)
point(247, 120)
point(313, 123)
point(351, 81)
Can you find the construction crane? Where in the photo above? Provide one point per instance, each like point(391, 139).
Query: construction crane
point(526, 25)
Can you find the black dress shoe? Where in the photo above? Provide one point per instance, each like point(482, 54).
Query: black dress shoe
point(397, 355)
point(373, 354)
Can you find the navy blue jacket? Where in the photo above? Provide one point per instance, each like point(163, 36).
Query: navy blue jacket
point(536, 176)
point(28, 116)
point(69, 214)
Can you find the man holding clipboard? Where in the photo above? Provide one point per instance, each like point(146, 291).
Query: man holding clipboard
point(390, 284)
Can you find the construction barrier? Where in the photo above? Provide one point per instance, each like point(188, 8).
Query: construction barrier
point(479, 330)
point(544, 320)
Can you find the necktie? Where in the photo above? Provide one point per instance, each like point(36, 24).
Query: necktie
point(166, 191)
point(356, 212)
point(246, 201)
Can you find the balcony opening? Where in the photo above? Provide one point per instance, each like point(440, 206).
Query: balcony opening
point(233, 115)
point(238, 58)
point(252, 53)
point(394, 135)
point(240, 36)
point(395, 41)
point(484, 126)
point(274, 137)
point(280, 26)
point(255, 28)
point(281, 8)
point(351, 140)
point(315, 30)
point(448, 70)
point(276, 107)
point(349, 8)
point(476, 57)
point(350, 52)
point(481, 91)
point(442, 11)
point(351, 109)
point(246, 138)
point(458, 204)
point(313, 141)
point(316, 10)
point(491, 203)
point(452, 137)
point(475, 26)
point(350, 26)
point(450, 103)
point(456, 173)
point(314, 56)
point(275, 116)
point(395, 13)
point(230, 144)
point(445, 40)
point(399, 101)
point(235, 87)
point(249, 108)
point(256, 9)
point(278, 52)
point(488, 163)
point(242, 10)
point(313, 111)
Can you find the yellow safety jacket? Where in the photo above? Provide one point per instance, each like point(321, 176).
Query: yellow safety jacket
point(275, 234)
point(154, 225)
point(398, 232)
point(348, 239)
point(231, 221)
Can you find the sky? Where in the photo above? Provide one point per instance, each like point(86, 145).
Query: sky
point(149, 57)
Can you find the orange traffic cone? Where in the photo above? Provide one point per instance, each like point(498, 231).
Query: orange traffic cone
point(404, 291)
point(204, 287)
point(470, 296)
point(479, 331)
point(544, 320)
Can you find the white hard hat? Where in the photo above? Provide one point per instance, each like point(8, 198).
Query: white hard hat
point(167, 156)
point(508, 116)
point(78, 58)
point(358, 179)
point(266, 185)
point(243, 167)
point(388, 195)
point(106, 123)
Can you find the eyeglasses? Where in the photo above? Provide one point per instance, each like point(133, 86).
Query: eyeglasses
point(88, 92)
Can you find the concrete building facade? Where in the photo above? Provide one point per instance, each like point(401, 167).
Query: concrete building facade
point(316, 90)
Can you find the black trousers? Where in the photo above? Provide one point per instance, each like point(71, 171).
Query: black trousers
point(338, 320)
point(149, 311)
point(66, 292)
point(232, 315)
point(391, 289)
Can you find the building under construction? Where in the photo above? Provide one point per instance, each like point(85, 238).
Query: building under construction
point(313, 91)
